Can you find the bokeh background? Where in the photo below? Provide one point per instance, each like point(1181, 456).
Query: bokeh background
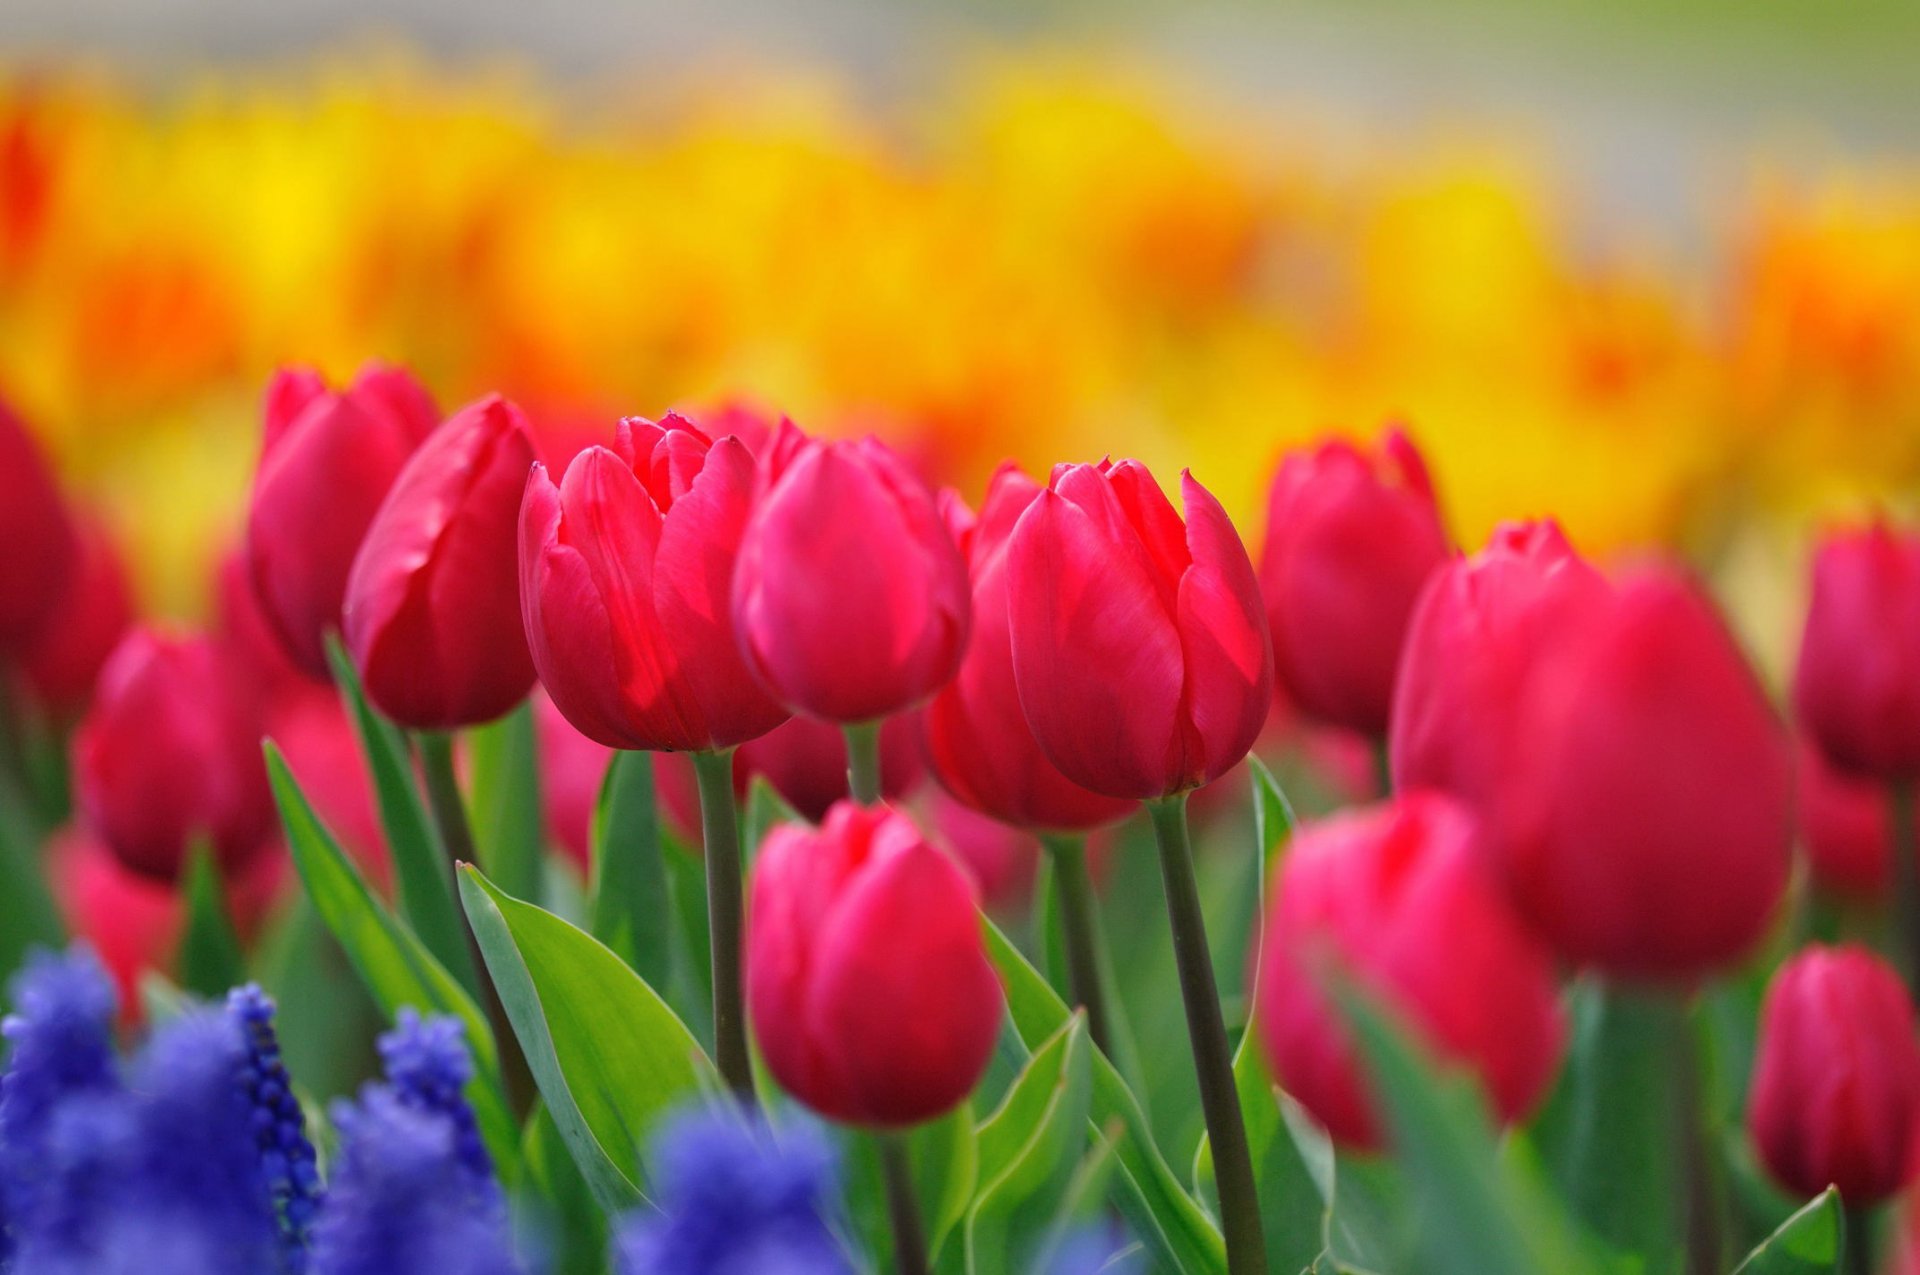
point(1653, 268)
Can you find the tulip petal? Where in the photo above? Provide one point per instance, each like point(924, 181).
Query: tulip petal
point(1223, 638)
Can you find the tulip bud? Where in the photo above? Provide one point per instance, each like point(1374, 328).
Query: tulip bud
point(1470, 648)
point(1857, 689)
point(169, 754)
point(1139, 643)
point(850, 600)
point(625, 574)
point(1835, 1098)
point(327, 460)
point(1646, 821)
point(38, 534)
point(974, 733)
point(1846, 830)
point(1400, 901)
point(433, 600)
point(1352, 534)
point(64, 657)
point(850, 927)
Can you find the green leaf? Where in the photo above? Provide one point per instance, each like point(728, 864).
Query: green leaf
point(563, 1218)
point(1606, 1135)
point(945, 1159)
point(29, 917)
point(391, 960)
point(1030, 1149)
point(1811, 1242)
point(210, 959)
point(766, 809)
point(162, 998)
point(420, 865)
point(1480, 1214)
point(690, 990)
point(630, 910)
point(607, 1053)
point(1273, 818)
point(509, 824)
point(1165, 1218)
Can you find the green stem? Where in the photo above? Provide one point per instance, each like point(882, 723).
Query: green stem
point(1857, 1229)
point(449, 812)
point(863, 761)
point(1207, 1033)
point(720, 832)
point(1906, 875)
point(1080, 923)
point(1382, 768)
point(903, 1207)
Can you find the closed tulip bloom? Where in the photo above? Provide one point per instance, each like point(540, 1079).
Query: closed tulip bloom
point(1846, 830)
point(850, 599)
point(169, 754)
point(1400, 900)
point(1857, 688)
point(1352, 535)
point(37, 532)
point(327, 460)
point(95, 610)
point(974, 732)
point(433, 600)
point(1835, 1098)
point(868, 986)
point(1472, 643)
point(1139, 642)
point(626, 567)
point(1646, 824)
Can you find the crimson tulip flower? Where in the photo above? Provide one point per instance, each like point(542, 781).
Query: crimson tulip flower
point(38, 534)
point(63, 659)
point(327, 460)
point(1846, 829)
point(1857, 687)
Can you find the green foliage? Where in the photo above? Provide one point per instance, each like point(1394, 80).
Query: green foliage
point(210, 959)
point(509, 827)
point(628, 907)
point(1811, 1242)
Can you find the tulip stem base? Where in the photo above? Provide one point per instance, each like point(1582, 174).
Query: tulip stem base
point(449, 812)
point(1857, 1238)
point(1207, 1033)
point(1906, 875)
point(720, 834)
point(863, 761)
point(903, 1206)
point(1080, 924)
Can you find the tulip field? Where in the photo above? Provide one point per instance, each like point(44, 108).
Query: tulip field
point(939, 706)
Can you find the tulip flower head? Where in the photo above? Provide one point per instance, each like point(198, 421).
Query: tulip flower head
point(850, 600)
point(1846, 829)
point(38, 534)
point(626, 574)
point(850, 927)
point(1139, 642)
point(1835, 1097)
point(95, 610)
point(1352, 535)
point(974, 732)
point(1400, 899)
point(327, 460)
point(432, 609)
point(1857, 687)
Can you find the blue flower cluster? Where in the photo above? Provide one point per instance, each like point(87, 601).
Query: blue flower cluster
point(288, 1165)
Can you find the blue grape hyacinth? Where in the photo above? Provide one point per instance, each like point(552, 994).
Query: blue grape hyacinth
point(288, 1167)
point(428, 1067)
point(735, 1198)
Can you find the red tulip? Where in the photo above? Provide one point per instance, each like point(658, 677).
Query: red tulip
point(851, 926)
point(433, 600)
point(327, 460)
point(170, 753)
point(1352, 534)
point(974, 733)
point(1470, 648)
point(850, 599)
point(1857, 689)
point(1646, 823)
point(625, 575)
point(1139, 644)
point(1400, 900)
point(37, 532)
point(1846, 830)
point(572, 770)
point(64, 657)
point(255, 656)
point(1835, 1098)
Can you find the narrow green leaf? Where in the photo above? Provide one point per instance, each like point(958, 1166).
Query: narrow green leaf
point(1030, 1148)
point(420, 864)
point(1273, 818)
point(608, 1054)
point(391, 960)
point(1479, 1215)
point(1811, 1242)
point(509, 825)
point(162, 998)
point(1168, 1220)
point(944, 1154)
point(690, 990)
point(630, 910)
point(29, 917)
point(209, 958)
point(561, 1217)
point(765, 809)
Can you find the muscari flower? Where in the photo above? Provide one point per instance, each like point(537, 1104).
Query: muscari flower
point(732, 1198)
point(288, 1167)
point(427, 1067)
